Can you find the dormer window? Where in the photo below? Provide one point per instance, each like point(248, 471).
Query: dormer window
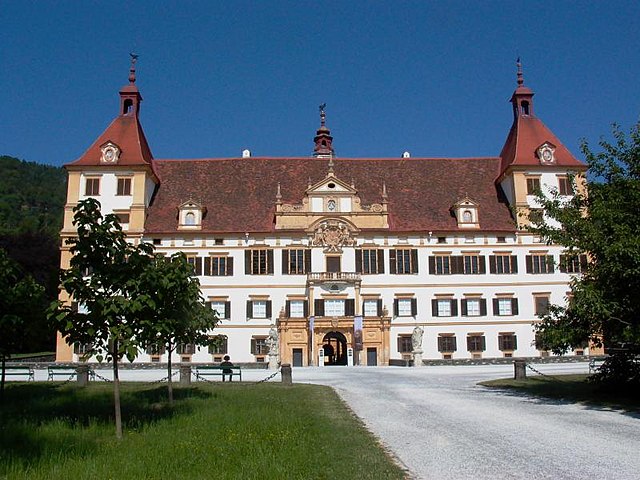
point(190, 215)
point(466, 212)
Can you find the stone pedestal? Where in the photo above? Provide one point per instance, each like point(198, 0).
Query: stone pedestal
point(82, 375)
point(185, 375)
point(273, 362)
point(417, 358)
point(285, 372)
point(519, 370)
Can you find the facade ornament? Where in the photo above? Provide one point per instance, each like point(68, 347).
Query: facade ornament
point(333, 235)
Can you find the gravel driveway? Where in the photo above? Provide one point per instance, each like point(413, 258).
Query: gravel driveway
point(441, 425)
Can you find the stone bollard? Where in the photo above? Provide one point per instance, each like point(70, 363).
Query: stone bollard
point(285, 371)
point(82, 375)
point(519, 370)
point(185, 375)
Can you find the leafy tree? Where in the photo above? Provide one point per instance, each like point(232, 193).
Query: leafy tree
point(175, 311)
point(600, 221)
point(104, 278)
point(21, 301)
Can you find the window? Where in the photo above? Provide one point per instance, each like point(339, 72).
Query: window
point(541, 304)
point(403, 261)
point(222, 309)
point(468, 264)
point(185, 349)
point(476, 342)
point(155, 349)
point(442, 239)
point(442, 264)
point(405, 307)
point(196, 263)
point(296, 308)
point(539, 263)
point(444, 307)
point(536, 216)
point(507, 342)
point(259, 346)
point(123, 218)
point(474, 307)
point(92, 186)
point(405, 344)
point(218, 345)
point(296, 261)
point(370, 261)
point(82, 348)
point(446, 343)
point(190, 218)
point(505, 306)
point(372, 307)
point(467, 217)
point(334, 308)
point(258, 261)
point(573, 263)
point(564, 186)
point(472, 264)
point(501, 240)
point(503, 264)
point(533, 186)
point(218, 266)
point(259, 309)
point(124, 186)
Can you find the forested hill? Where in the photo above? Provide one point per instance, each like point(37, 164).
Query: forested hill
point(32, 197)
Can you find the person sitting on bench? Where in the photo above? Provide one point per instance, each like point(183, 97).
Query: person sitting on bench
point(226, 370)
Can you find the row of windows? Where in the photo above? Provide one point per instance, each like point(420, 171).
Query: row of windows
point(92, 187)
point(476, 342)
point(402, 307)
point(565, 186)
point(402, 261)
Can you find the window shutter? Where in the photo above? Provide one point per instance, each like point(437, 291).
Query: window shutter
point(285, 263)
point(583, 263)
point(469, 346)
point(454, 307)
point(287, 308)
point(492, 264)
point(434, 307)
point(482, 264)
point(307, 261)
point(270, 261)
point(247, 262)
point(529, 263)
point(379, 307)
point(457, 264)
point(380, 254)
point(454, 344)
point(207, 265)
point(319, 308)
point(349, 307)
point(514, 306)
point(514, 264)
point(515, 342)
point(414, 261)
point(249, 309)
point(305, 308)
point(253, 346)
point(395, 307)
point(484, 343)
point(463, 307)
point(198, 266)
point(229, 261)
point(414, 307)
point(563, 263)
point(227, 310)
point(440, 344)
point(500, 342)
point(496, 306)
point(483, 307)
point(399, 340)
point(432, 265)
point(358, 260)
point(268, 308)
point(550, 267)
point(392, 261)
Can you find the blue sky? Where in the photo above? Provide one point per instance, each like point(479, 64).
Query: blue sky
point(433, 78)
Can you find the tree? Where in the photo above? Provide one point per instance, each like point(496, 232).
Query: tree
point(600, 221)
point(175, 312)
point(22, 302)
point(103, 279)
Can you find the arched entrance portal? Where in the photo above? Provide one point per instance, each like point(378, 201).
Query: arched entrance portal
point(335, 348)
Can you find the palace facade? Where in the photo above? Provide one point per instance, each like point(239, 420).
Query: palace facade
point(370, 261)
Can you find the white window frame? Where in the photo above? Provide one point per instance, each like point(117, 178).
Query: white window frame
point(473, 307)
point(296, 309)
point(334, 307)
point(370, 308)
point(444, 307)
point(505, 307)
point(404, 307)
point(259, 309)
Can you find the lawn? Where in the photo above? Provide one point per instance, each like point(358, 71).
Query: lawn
point(213, 431)
point(572, 388)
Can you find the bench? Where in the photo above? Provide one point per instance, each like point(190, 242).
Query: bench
point(216, 370)
point(28, 371)
point(595, 364)
point(67, 372)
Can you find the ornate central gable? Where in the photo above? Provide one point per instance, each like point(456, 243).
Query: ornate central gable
point(331, 198)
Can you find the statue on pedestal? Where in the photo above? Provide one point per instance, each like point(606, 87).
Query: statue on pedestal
point(273, 342)
point(416, 343)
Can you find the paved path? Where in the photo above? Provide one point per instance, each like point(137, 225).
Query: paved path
point(442, 425)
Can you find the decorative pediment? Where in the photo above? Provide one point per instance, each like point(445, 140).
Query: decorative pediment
point(190, 215)
point(331, 184)
point(332, 234)
point(546, 153)
point(466, 213)
point(110, 153)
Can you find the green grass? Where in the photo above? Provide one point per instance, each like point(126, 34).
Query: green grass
point(213, 431)
point(20, 356)
point(571, 388)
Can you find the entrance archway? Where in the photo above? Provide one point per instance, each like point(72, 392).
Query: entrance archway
point(335, 348)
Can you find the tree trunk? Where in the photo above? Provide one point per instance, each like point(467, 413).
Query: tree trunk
point(170, 382)
point(116, 392)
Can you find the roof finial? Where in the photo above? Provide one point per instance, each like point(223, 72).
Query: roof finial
point(384, 191)
point(520, 77)
point(132, 70)
point(278, 194)
point(331, 165)
point(322, 114)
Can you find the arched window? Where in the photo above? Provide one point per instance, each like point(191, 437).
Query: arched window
point(525, 108)
point(467, 217)
point(190, 218)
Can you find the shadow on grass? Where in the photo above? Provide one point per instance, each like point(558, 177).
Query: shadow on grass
point(44, 419)
point(564, 390)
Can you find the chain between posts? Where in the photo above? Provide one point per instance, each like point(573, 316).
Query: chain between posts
point(243, 384)
point(535, 370)
point(66, 381)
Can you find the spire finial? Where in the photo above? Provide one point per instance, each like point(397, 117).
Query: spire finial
point(384, 190)
point(322, 114)
point(278, 194)
point(132, 69)
point(520, 77)
point(331, 165)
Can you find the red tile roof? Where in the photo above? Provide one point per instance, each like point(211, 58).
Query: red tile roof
point(239, 193)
